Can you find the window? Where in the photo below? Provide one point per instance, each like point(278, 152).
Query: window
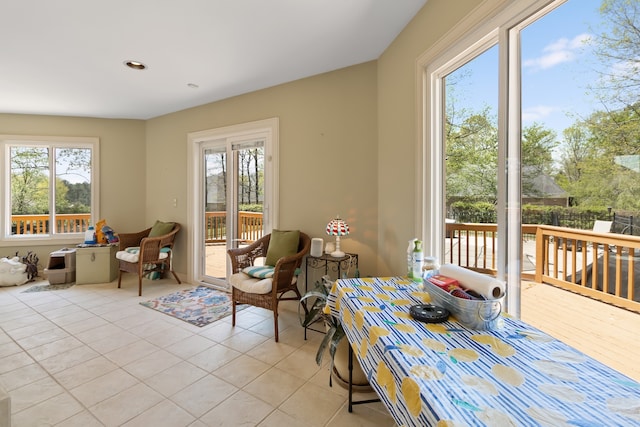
point(469, 155)
point(37, 207)
point(530, 116)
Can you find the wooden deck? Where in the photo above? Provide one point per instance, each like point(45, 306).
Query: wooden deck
point(607, 333)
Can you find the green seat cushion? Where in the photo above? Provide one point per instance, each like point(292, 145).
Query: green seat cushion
point(161, 228)
point(282, 243)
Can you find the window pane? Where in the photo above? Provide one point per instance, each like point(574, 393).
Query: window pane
point(29, 178)
point(580, 150)
point(471, 151)
point(250, 195)
point(39, 208)
point(73, 189)
point(251, 177)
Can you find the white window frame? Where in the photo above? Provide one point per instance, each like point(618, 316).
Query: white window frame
point(489, 24)
point(51, 142)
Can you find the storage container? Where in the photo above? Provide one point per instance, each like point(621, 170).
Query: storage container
point(96, 264)
point(61, 267)
point(430, 266)
point(474, 314)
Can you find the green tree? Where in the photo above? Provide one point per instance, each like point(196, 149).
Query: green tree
point(471, 158)
point(600, 154)
point(600, 160)
point(615, 141)
point(537, 147)
point(251, 175)
point(573, 153)
point(29, 181)
point(62, 202)
point(617, 47)
point(78, 197)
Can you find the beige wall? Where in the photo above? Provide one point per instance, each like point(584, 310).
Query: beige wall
point(327, 155)
point(122, 166)
point(398, 129)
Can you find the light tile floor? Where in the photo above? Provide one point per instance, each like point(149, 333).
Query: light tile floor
point(91, 355)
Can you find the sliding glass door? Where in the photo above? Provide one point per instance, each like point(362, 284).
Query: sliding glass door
point(233, 208)
point(233, 195)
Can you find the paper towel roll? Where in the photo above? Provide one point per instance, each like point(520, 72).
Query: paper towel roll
point(487, 286)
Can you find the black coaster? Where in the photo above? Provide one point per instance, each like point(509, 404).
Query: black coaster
point(429, 313)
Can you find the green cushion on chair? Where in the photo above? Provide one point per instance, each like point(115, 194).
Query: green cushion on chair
point(281, 244)
point(161, 228)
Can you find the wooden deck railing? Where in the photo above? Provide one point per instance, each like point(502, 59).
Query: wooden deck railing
point(609, 261)
point(250, 226)
point(473, 245)
point(478, 252)
point(215, 227)
point(39, 224)
point(599, 265)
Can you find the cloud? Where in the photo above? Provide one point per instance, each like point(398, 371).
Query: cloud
point(537, 113)
point(559, 51)
point(625, 69)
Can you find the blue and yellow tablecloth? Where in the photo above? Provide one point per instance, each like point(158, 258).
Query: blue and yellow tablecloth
point(447, 375)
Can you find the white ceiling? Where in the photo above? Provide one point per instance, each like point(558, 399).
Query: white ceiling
point(65, 57)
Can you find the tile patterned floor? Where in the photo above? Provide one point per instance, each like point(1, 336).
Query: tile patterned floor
point(91, 355)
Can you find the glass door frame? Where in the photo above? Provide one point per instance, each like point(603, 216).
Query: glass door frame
point(234, 146)
point(465, 41)
point(267, 129)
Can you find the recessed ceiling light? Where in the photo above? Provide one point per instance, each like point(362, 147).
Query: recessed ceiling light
point(135, 65)
point(193, 85)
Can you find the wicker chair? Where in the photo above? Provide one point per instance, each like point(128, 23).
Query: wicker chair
point(154, 254)
point(284, 278)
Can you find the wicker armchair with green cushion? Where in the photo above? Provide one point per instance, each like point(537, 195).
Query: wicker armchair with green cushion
point(147, 251)
point(265, 286)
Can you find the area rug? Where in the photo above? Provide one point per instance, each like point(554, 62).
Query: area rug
point(42, 288)
point(199, 306)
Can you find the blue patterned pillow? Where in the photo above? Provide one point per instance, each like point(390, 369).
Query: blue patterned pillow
point(259, 271)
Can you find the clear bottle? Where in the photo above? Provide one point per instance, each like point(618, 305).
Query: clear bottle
point(430, 267)
point(418, 257)
point(410, 257)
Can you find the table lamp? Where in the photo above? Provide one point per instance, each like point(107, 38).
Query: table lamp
point(337, 227)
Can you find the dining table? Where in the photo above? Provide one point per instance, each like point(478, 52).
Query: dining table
point(446, 374)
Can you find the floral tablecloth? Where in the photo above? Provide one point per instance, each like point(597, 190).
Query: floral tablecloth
point(447, 375)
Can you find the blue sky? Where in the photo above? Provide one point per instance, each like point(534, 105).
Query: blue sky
point(556, 69)
point(557, 66)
